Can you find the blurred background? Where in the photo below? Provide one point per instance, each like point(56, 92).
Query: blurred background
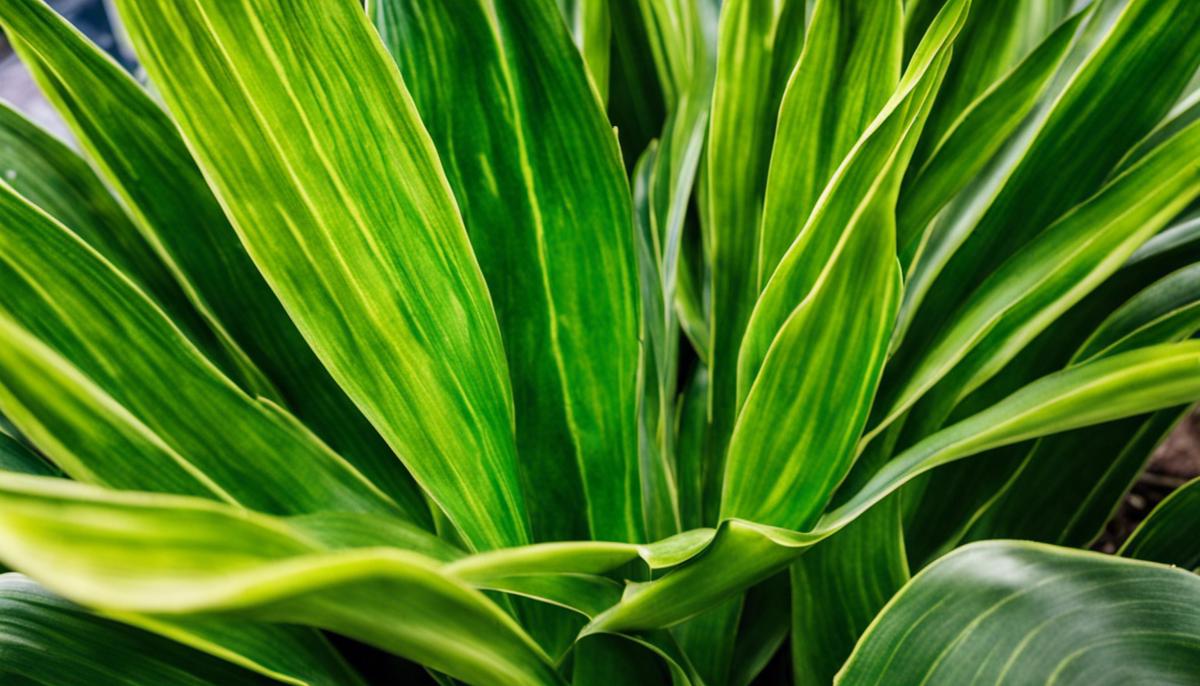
point(1176, 461)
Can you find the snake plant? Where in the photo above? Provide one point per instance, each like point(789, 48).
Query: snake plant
point(599, 342)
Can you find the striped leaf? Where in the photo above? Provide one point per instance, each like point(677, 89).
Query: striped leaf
point(538, 178)
point(354, 226)
point(1026, 613)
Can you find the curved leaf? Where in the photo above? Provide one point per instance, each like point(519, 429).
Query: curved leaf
point(742, 553)
point(51, 641)
point(1023, 613)
point(847, 72)
point(50, 175)
point(1168, 535)
point(758, 45)
point(827, 314)
point(165, 556)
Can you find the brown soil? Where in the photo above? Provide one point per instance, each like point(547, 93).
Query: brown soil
point(1176, 462)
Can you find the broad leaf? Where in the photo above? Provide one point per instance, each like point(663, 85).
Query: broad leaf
point(1023, 613)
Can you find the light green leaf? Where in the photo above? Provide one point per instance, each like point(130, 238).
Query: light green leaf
point(828, 307)
point(1168, 535)
point(539, 180)
point(164, 556)
point(743, 553)
point(136, 382)
point(1016, 612)
point(591, 29)
point(351, 221)
point(137, 149)
point(847, 72)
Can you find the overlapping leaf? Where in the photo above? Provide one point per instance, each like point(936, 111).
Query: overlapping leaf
point(350, 219)
point(539, 181)
point(137, 148)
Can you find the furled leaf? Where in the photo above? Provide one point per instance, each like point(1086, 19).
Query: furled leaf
point(135, 380)
point(539, 181)
point(137, 148)
point(351, 221)
point(1015, 612)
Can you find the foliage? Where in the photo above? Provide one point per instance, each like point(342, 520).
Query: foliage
point(654, 341)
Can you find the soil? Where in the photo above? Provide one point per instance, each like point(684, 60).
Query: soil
point(1176, 462)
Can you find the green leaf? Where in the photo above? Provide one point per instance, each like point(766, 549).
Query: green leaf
point(1029, 613)
point(1096, 108)
point(111, 371)
point(354, 226)
point(840, 585)
point(973, 138)
point(51, 641)
point(539, 180)
point(954, 495)
point(50, 175)
point(743, 553)
point(1069, 485)
point(591, 29)
point(1048, 275)
point(828, 307)
point(1168, 535)
point(164, 556)
point(847, 72)
point(15, 456)
point(137, 149)
point(1167, 310)
point(759, 43)
point(995, 36)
